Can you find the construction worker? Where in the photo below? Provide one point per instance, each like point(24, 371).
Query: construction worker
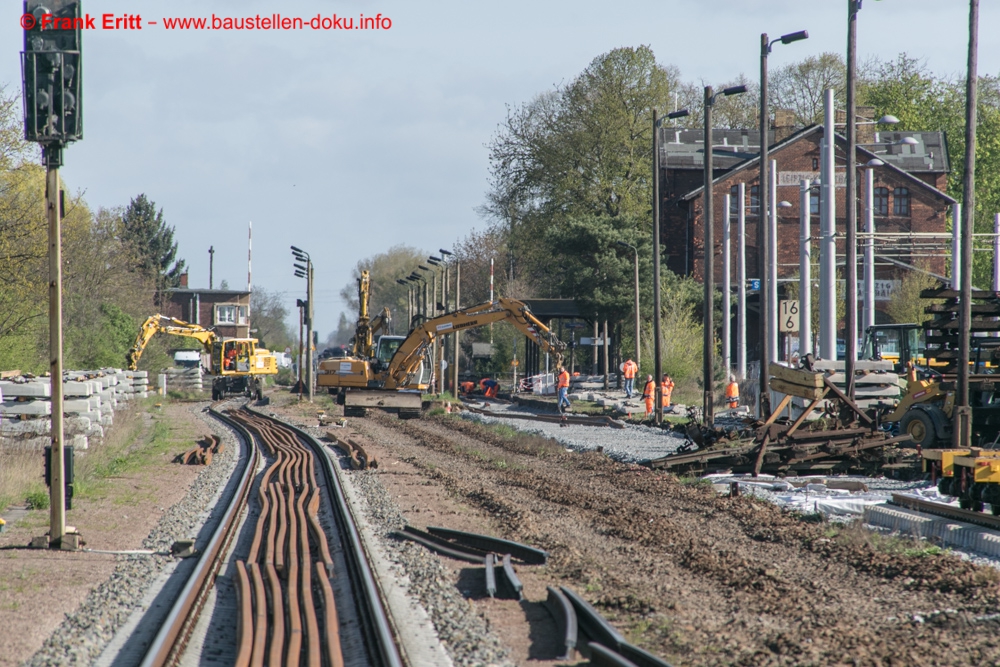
point(562, 388)
point(629, 369)
point(490, 388)
point(667, 385)
point(733, 393)
point(649, 395)
point(230, 363)
point(467, 387)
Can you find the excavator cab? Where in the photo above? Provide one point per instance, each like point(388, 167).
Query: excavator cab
point(386, 348)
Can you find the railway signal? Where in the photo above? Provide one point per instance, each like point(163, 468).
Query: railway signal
point(53, 117)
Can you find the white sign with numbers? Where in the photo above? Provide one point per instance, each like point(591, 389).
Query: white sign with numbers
point(788, 316)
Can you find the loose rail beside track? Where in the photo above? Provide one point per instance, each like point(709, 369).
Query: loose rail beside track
point(947, 511)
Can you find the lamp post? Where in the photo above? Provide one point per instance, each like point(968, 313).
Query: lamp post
point(409, 301)
point(307, 273)
point(657, 360)
point(805, 267)
point(438, 347)
point(636, 251)
point(708, 219)
point(417, 307)
point(763, 243)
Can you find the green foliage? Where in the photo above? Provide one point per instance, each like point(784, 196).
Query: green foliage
point(37, 499)
point(906, 305)
point(269, 315)
point(147, 233)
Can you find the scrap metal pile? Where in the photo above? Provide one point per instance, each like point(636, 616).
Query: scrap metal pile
point(844, 439)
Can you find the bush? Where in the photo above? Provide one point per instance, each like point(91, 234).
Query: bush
point(38, 499)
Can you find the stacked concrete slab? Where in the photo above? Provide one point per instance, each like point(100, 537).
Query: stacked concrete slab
point(89, 401)
point(184, 379)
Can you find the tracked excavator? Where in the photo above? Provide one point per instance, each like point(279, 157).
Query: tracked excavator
point(237, 364)
point(393, 377)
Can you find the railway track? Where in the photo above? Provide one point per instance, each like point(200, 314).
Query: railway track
point(947, 511)
point(567, 419)
point(305, 594)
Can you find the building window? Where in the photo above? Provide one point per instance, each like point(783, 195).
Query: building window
point(734, 202)
point(231, 314)
point(880, 201)
point(813, 202)
point(815, 164)
point(901, 201)
point(754, 200)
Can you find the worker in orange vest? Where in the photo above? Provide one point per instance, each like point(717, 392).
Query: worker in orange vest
point(668, 388)
point(733, 393)
point(562, 388)
point(629, 369)
point(649, 394)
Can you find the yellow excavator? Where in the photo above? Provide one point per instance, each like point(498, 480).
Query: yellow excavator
point(237, 364)
point(393, 378)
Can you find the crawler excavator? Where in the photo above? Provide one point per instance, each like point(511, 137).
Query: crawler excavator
point(237, 364)
point(392, 377)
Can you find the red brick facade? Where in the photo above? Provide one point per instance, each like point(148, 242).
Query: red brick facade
point(681, 210)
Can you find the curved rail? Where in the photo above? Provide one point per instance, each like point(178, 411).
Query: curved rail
point(384, 651)
point(176, 629)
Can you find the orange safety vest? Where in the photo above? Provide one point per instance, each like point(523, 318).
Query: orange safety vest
point(649, 391)
point(668, 387)
point(630, 369)
point(563, 380)
point(732, 390)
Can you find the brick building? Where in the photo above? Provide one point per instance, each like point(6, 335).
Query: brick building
point(227, 312)
point(909, 197)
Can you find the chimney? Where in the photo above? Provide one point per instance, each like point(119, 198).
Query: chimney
point(784, 124)
point(184, 280)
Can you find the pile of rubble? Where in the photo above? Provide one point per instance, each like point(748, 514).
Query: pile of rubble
point(89, 401)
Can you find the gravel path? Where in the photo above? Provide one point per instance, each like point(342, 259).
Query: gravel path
point(84, 634)
point(633, 444)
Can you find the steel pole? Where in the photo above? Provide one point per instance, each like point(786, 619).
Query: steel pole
point(805, 271)
point(869, 265)
point(828, 239)
point(57, 489)
point(851, 197)
point(309, 332)
point(956, 247)
point(638, 350)
point(301, 349)
point(708, 222)
point(741, 282)
point(772, 266)
point(458, 306)
point(762, 241)
point(996, 252)
point(657, 361)
point(963, 410)
point(726, 277)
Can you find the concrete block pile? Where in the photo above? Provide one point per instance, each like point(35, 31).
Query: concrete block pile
point(90, 399)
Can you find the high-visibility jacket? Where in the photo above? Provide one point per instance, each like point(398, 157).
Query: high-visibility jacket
point(563, 380)
point(667, 386)
point(630, 369)
point(649, 391)
point(732, 390)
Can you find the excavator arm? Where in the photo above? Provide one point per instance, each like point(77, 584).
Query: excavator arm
point(411, 352)
point(171, 325)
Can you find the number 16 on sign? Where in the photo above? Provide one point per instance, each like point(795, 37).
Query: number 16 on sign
point(788, 316)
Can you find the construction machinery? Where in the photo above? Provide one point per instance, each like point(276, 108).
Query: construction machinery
point(237, 364)
point(393, 377)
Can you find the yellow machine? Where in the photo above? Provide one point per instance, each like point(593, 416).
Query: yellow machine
point(393, 376)
point(236, 363)
point(972, 476)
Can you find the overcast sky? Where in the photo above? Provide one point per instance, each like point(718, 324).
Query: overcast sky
point(347, 142)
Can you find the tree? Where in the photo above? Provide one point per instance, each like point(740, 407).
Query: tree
point(144, 229)
point(385, 269)
point(268, 316)
point(800, 86)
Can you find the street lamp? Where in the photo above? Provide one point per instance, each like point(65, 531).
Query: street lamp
point(657, 361)
point(869, 261)
point(763, 244)
point(307, 273)
point(638, 358)
point(709, 224)
point(455, 336)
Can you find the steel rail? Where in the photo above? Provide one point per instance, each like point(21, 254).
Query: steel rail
point(947, 511)
point(376, 625)
point(172, 637)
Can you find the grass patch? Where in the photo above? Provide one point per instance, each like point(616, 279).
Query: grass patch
point(38, 499)
point(694, 481)
point(21, 473)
